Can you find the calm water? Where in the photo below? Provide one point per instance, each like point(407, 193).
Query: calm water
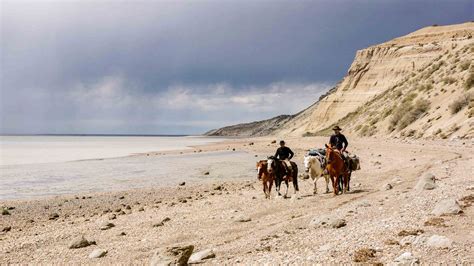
point(37, 166)
point(47, 149)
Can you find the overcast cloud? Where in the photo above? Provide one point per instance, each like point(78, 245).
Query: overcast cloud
point(184, 67)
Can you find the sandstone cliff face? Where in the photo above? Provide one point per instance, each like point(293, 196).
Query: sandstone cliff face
point(435, 63)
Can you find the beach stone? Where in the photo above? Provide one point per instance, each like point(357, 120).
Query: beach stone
point(206, 173)
point(53, 216)
point(337, 223)
point(6, 229)
point(182, 184)
point(106, 225)
point(447, 207)
point(243, 219)
point(387, 186)
point(166, 219)
point(97, 253)
point(405, 258)
point(426, 182)
point(412, 240)
point(199, 256)
point(172, 256)
point(141, 209)
point(436, 241)
point(111, 216)
point(5, 212)
point(80, 242)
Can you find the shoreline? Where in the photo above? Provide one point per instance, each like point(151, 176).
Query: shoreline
point(207, 214)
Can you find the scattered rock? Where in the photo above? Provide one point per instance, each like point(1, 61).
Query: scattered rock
point(199, 256)
point(387, 186)
point(121, 197)
point(273, 142)
point(172, 256)
point(412, 240)
point(364, 255)
point(182, 184)
point(447, 207)
point(53, 216)
point(243, 219)
point(141, 209)
point(111, 216)
point(6, 229)
point(206, 173)
point(406, 259)
point(106, 225)
point(122, 234)
point(437, 241)
point(5, 212)
point(166, 219)
point(337, 223)
point(327, 222)
point(219, 187)
point(128, 207)
point(251, 143)
point(426, 182)
point(97, 253)
point(80, 242)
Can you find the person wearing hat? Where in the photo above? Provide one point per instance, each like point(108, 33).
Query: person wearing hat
point(285, 154)
point(339, 142)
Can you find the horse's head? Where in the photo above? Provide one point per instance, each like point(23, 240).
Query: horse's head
point(329, 153)
point(261, 168)
point(308, 161)
point(271, 164)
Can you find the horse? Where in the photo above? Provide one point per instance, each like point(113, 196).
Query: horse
point(336, 168)
point(314, 166)
point(276, 167)
point(265, 177)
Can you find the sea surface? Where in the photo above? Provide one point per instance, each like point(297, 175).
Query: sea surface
point(48, 149)
point(44, 166)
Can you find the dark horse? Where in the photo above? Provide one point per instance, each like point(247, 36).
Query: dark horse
point(277, 167)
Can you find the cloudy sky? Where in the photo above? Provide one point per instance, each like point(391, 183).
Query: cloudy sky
point(184, 67)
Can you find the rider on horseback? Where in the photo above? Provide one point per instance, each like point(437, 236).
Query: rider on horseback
point(339, 142)
point(285, 154)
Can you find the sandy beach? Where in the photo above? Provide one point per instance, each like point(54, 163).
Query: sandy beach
point(222, 207)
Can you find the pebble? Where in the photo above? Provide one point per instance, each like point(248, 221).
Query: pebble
point(243, 219)
point(53, 216)
point(80, 242)
point(178, 255)
point(446, 207)
point(437, 241)
point(106, 225)
point(97, 253)
point(406, 258)
point(5, 212)
point(426, 182)
point(199, 256)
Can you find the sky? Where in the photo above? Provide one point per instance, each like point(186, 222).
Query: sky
point(185, 67)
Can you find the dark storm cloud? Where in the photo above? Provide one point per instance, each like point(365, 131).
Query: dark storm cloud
point(113, 66)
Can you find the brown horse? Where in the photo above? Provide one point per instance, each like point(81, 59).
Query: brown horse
point(265, 177)
point(277, 167)
point(336, 169)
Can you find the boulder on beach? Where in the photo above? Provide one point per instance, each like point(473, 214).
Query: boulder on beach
point(436, 241)
point(80, 242)
point(447, 207)
point(406, 258)
point(97, 253)
point(106, 225)
point(172, 256)
point(199, 256)
point(327, 222)
point(426, 182)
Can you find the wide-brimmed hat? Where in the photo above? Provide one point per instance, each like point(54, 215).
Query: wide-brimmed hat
point(336, 128)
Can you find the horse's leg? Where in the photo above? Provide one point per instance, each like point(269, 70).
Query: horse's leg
point(315, 189)
point(277, 185)
point(327, 183)
point(336, 184)
point(270, 188)
point(295, 180)
point(349, 181)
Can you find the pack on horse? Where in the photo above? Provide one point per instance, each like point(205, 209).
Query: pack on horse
point(337, 169)
point(265, 177)
point(276, 167)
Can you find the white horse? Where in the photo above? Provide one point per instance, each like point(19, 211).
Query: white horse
point(314, 166)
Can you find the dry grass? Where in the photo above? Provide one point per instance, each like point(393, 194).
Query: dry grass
point(435, 221)
point(458, 104)
point(364, 254)
point(412, 232)
point(469, 83)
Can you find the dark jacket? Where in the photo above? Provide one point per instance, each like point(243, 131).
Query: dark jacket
point(283, 153)
point(338, 141)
